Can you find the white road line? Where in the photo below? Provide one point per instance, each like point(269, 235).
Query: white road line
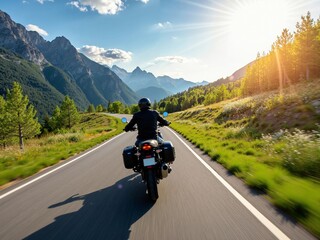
point(272, 228)
point(56, 169)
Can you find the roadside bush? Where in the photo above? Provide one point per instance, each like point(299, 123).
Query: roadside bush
point(61, 138)
point(299, 151)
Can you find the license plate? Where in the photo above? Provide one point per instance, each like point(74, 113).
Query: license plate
point(149, 162)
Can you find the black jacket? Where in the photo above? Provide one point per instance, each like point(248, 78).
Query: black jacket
point(146, 120)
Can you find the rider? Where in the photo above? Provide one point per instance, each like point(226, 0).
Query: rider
point(146, 119)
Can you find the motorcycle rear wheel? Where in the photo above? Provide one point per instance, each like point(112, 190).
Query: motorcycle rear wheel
point(152, 184)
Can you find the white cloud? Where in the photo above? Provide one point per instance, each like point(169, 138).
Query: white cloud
point(144, 1)
point(43, 1)
point(78, 5)
point(175, 59)
point(31, 27)
point(105, 56)
point(110, 7)
point(163, 25)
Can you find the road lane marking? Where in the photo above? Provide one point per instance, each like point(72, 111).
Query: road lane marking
point(56, 169)
point(266, 222)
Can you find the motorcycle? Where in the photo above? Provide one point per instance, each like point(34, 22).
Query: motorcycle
point(152, 159)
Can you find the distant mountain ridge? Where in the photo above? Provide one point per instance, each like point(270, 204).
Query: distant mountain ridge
point(240, 72)
point(157, 88)
point(62, 67)
point(153, 93)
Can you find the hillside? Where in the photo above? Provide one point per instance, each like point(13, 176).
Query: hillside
point(271, 141)
point(65, 85)
point(28, 74)
point(298, 107)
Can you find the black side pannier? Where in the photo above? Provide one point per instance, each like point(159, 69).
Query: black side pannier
point(129, 158)
point(168, 153)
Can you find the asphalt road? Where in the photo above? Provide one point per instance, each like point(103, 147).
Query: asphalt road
point(95, 197)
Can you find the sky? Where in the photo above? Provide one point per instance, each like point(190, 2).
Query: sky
point(199, 40)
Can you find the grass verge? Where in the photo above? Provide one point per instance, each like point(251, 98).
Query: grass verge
point(49, 150)
point(242, 150)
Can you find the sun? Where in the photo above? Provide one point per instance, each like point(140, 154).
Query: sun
point(257, 23)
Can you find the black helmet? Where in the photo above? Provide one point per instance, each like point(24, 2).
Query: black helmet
point(144, 103)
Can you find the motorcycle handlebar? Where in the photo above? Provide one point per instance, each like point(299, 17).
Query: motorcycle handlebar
point(135, 128)
point(131, 130)
point(163, 125)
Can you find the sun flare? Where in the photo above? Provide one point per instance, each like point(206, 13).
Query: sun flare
point(244, 24)
point(257, 23)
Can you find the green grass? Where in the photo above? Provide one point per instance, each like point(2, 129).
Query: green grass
point(245, 136)
point(247, 160)
point(49, 150)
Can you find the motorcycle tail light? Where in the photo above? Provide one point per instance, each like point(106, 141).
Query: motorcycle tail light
point(146, 147)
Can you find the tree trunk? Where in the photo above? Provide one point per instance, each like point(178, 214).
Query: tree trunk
point(21, 138)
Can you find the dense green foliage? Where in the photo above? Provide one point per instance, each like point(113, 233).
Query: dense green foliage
point(91, 108)
point(18, 117)
point(63, 117)
point(119, 107)
point(41, 94)
point(292, 59)
point(69, 115)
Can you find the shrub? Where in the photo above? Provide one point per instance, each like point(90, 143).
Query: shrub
point(299, 150)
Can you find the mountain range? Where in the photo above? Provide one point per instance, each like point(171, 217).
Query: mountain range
point(57, 65)
point(156, 88)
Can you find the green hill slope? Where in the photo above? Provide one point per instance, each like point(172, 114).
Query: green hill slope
point(65, 85)
point(271, 141)
point(40, 92)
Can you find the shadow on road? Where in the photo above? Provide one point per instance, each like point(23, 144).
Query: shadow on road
point(105, 214)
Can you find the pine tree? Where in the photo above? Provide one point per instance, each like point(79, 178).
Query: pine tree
point(55, 120)
point(116, 107)
point(305, 43)
point(69, 114)
point(155, 105)
point(91, 108)
point(4, 130)
point(99, 108)
point(22, 115)
point(134, 108)
point(283, 55)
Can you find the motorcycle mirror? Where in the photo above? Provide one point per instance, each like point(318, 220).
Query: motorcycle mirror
point(124, 120)
point(165, 114)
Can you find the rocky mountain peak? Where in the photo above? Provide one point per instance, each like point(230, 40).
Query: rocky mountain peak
point(68, 70)
point(62, 42)
point(137, 70)
point(15, 37)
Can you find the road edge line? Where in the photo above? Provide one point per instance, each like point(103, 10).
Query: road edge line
point(57, 168)
point(265, 221)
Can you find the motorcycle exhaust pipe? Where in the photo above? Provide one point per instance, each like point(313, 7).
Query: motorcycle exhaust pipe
point(165, 170)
